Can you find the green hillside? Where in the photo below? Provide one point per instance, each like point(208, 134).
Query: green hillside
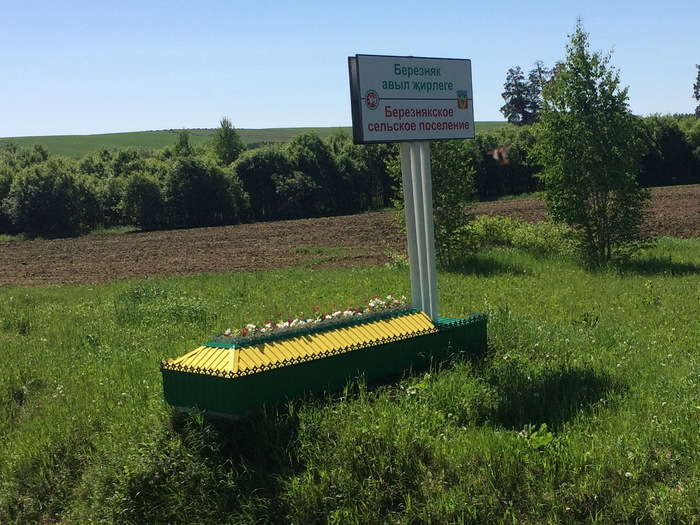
point(79, 145)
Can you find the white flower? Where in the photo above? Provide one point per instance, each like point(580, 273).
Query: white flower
point(375, 304)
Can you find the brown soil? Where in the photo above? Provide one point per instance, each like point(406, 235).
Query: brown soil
point(674, 211)
point(355, 240)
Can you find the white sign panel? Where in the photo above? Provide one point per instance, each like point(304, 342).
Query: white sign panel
point(398, 98)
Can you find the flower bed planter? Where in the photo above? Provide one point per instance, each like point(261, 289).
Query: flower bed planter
point(234, 378)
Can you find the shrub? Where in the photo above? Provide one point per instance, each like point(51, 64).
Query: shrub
point(495, 179)
point(6, 225)
point(295, 195)
point(48, 199)
point(143, 203)
point(310, 155)
point(199, 194)
point(542, 238)
point(362, 176)
point(258, 171)
point(669, 157)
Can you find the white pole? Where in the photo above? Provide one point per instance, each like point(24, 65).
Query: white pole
point(410, 223)
point(431, 272)
point(419, 209)
point(418, 200)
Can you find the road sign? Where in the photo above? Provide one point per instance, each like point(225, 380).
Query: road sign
point(396, 99)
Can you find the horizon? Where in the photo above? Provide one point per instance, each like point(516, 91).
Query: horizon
point(200, 129)
point(95, 68)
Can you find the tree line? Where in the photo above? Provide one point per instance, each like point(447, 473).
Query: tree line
point(184, 186)
point(223, 182)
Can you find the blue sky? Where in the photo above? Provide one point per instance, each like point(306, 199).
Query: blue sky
point(85, 67)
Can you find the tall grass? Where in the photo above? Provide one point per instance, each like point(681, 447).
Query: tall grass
point(585, 409)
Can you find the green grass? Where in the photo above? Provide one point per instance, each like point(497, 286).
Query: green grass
point(585, 409)
point(10, 238)
point(79, 145)
point(489, 125)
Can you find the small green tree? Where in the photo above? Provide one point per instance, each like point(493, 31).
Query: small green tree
point(182, 147)
point(452, 177)
point(227, 143)
point(453, 195)
point(588, 144)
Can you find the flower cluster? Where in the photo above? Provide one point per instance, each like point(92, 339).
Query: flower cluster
point(375, 305)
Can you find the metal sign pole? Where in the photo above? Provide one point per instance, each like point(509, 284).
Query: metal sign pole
point(429, 236)
point(418, 200)
point(406, 174)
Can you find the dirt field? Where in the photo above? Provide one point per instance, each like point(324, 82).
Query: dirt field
point(326, 242)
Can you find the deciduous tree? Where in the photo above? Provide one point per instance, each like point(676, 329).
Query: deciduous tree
point(589, 147)
point(199, 194)
point(182, 147)
point(49, 198)
point(227, 143)
point(259, 171)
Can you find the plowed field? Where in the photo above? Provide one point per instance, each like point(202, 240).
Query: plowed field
point(354, 240)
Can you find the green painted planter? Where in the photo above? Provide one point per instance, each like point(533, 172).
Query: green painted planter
point(237, 393)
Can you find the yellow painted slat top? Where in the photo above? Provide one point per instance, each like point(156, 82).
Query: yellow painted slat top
point(238, 361)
